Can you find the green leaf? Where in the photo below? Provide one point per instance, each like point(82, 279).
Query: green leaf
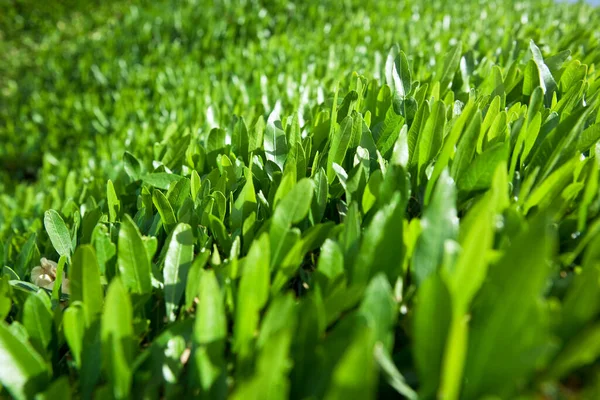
point(253, 294)
point(465, 277)
point(480, 173)
point(387, 131)
point(114, 205)
point(167, 215)
point(132, 259)
point(292, 209)
point(354, 375)
point(581, 303)
point(430, 138)
point(59, 389)
point(37, 319)
point(275, 144)
point(117, 339)
point(382, 248)
point(339, 146)
point(178, 192)
point(445, 74)
point(180, 253)
point(5, 294)
point(74, 325)
point(193, 279)
point(22, 371)
point(393, 376)
point(397, 72)
point(547, 81)
point(85, 282)
point(24, 260)
point(510, 303)
point(546, 191)
point(58, 233)
point(160, 180)
point(244, 204)
point(270, 381)
point(448, 148)
point(439, 224)
point(589, 137)
point(210, 332)
point(105, 248)
point(319, 202)
point(379, 309)
point(582, 350)
point(466, 148)
point(132, 165)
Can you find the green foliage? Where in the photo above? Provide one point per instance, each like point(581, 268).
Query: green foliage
point(274, 200)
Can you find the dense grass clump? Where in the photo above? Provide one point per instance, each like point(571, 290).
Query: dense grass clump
point(272, 200)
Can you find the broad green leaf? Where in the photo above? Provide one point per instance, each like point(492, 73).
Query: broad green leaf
point(105, 248)
point(132, 259)
point(160, 180)
point(448, 147)
point(114, 204)
point(210, 332)
point(397, 72)
point(37, 319)
point(58, 233)
point(439, 224)
point(330, 267)
point(393, 376)
point(270, 381)
point(548, 189)
point(386, 132)
point(531, 78)
point(466, 148)
point(178, 192)
point(339, 146)
point(292, 209)
point(193, 279)
point(379, 309)
point(589, 137)
point(167, 215)
point(74, 327)
point(244, 204)
point(445, 74)
point(510, 303)
point(319, 202)
point(5, 296)
point(180, 253)
point(22, 371)
point(85, 282)
point(275, 144)
point(354, 375)
point(465, 278)
point(118, 339)
point(59, 389)
point(415, 130)
point(430, 138)
point(382, 248)
point(581, 303)
point(132, 166)
point(431, 324)
point(480, 173)
point(253, 293)
point(547, 81)
point(582, 350)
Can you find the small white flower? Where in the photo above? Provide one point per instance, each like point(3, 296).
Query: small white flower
point(45, 275)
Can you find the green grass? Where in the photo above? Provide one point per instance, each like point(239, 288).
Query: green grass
point(338, 200)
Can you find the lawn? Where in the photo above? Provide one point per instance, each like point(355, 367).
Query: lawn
point(299, 200)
